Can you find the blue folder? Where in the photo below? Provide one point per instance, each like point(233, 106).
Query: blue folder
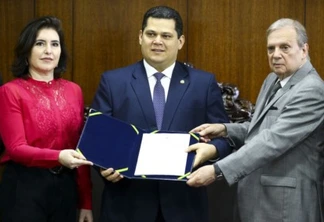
point(109, 142)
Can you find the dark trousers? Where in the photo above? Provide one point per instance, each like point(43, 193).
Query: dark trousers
point(159, 216)
point(37, 195)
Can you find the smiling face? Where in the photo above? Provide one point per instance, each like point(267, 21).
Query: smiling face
point(160, 43)
point(284, 54)
point(45, 53)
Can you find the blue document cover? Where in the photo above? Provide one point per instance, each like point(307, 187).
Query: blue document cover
point(112, 143)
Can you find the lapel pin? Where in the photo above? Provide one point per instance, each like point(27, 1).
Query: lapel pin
point(182, 81)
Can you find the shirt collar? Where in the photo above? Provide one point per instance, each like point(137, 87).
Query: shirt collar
point(284, 81)
point(150, 70)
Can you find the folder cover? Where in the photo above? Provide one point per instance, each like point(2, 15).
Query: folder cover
point(111, 143)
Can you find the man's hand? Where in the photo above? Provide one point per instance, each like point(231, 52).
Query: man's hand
point(111, 175)
point(209, 131)
point(202, 177)
point(204, 152)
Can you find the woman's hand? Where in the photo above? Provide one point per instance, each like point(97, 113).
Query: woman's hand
point(72, 159)
point(85, 215)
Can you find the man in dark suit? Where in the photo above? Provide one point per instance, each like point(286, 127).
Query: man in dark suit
point(191, 97)
point(279, 165)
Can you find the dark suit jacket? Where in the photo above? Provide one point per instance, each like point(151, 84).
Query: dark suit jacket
point(193, 98)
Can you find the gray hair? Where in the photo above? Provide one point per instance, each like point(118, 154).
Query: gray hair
point(286, 22)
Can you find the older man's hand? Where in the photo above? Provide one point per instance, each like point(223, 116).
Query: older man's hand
point(202, 177)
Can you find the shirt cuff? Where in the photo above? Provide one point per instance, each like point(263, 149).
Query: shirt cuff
point(223, 147)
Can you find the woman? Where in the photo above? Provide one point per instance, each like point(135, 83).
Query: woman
point(41, 121)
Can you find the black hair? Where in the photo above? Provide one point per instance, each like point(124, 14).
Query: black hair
point(27, 40)
point(164, 12)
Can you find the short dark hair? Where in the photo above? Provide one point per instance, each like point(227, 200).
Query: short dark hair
point(164, 12)
point(27, 40)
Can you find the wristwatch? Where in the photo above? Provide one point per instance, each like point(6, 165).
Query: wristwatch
point(218, 172)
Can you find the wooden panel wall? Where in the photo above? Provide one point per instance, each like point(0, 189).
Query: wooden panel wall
point(315, 28)
point(64, 10)
point(106, 37)
point(12, 20)
point(228, 38)
point(224, 37)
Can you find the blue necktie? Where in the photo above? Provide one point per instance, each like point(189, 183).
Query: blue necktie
point(158, 99)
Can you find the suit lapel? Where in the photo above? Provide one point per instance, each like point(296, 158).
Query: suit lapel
point(141, 88)
point(298, 76)
point(260, 106)
point(178, 86)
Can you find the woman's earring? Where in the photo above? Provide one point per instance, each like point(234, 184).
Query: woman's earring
point(26, 62)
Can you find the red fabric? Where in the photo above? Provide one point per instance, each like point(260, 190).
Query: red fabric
point(37, 120)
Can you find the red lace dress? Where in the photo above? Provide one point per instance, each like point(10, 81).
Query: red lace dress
point(37, 120)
